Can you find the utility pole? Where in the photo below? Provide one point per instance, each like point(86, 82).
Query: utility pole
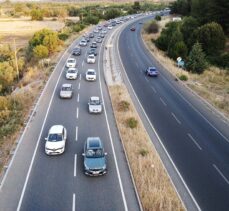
point(16, 63)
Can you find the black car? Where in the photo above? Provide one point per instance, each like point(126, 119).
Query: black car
point(94, 157)
point(87, 38)
point(76, 51)
point(92, 51)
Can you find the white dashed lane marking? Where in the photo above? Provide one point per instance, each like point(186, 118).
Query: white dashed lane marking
point(178, 121)
point(221, 174)
point(194, 141)
point(163, 101)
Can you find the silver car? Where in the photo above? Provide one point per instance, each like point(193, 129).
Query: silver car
point(95, 105)
point(66, 91)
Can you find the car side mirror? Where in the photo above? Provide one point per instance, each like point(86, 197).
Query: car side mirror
point(83, 154)
point(105, 153)
point(46, 139)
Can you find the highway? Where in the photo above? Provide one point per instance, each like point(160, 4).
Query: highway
point(35, 181)
point(196, 139)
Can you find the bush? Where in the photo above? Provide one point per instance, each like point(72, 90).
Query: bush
point(183, 77)
point(63, 36)
point(143, 152)
point(132, 122)
point(37, 15)
point(123, 106)
point(158, 18)
point(178, 50)
point(76, 28)
point(91, 19)
point(152, 27)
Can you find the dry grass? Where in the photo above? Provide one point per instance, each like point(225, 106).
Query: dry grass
point(212, 85)
point(154, 187)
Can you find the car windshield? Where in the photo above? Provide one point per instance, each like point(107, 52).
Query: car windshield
point(152, 69)
point(94, 102)
point(91, 56)
point(55, 137)
point(91, 73)
point(94, 153)
point(64, 88)
point(71, 60)
point(71, 71)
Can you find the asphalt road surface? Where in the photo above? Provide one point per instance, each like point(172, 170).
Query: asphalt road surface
point(196, 139)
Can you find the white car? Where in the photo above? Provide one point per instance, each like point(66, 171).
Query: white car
point(95, 105)
point(104, 31)
point(56, 140)
point(66, 91)
point(71, 73)
point(90, 75)
point(110, 27)
point(83, 43)
point(71, 62)
point(91, 59)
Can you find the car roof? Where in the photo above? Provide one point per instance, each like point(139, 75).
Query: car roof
point(90, 70)
point(69, 59)
point(94, 142)
point(56, 129)
point(152, 68)
point(66, 85)
point(94, 98)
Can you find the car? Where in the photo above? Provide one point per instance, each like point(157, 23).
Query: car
point(71, 73)
point(71, 62)
point(76, 51)
point(91, 59)
point(90, 75)
point(56, 140)
point(104, 31)
point(95, 30)
point(110, 27)
point(92, 51)
point(93, 44)
point(91, 35)
point(98, 40)
point(87, 38)
point(132, 28)
point(83, 43)
point(94, 157)
point(95, 105)
point(99, 27)
point(101, 35)
point(66, 91)
point(151, 71)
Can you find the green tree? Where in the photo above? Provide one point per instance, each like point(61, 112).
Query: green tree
point(112, 13)
point(196, 59)
point(7, 75)
point(136, 6)
point(41, 51)
point(91, 19)
point(37, 14)
point(176, 38)
point(212, 38)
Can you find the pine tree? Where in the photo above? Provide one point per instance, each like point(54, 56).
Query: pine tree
point(196, 59)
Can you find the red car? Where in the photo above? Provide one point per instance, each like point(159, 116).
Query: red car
point(132, 29)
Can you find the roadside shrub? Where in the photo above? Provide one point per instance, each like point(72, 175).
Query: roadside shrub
point(76, 28)
point(63, 36)
point(178, 50)
point(91, 19)
point(123, 106)
point(152, 27)
point(132, 122)
point(143, 152)
point(37, 14)
point(183, 77)
point(158, 18)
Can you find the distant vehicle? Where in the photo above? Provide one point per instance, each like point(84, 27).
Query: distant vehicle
point(92, 51)
point(83, 43)
point(94, 157)
point(66, 91)
point(132, 28)
point(56, 140)
point(102, 35)
point(71, 62)
point(104, 31)
point(93, 44)
point(95, 105)
point(87, 38)
point(151, 71)
point(91, 59)
point(96, 30)
point(98, 40)
point(99, 27)
point(110, 27)
point(71, 73)
point(90, 75)
point(76, 51)
point(91, 35)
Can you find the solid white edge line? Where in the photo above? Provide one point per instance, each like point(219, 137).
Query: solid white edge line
point(173, 164)
point(75, 164)
point(111, 140)
point(221, 174)
point(76, 133)
point(195, 142)
point(178, 121)
point(74, 202)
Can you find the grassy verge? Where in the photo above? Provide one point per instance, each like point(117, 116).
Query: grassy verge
point(212, 85)
point(154, 187)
